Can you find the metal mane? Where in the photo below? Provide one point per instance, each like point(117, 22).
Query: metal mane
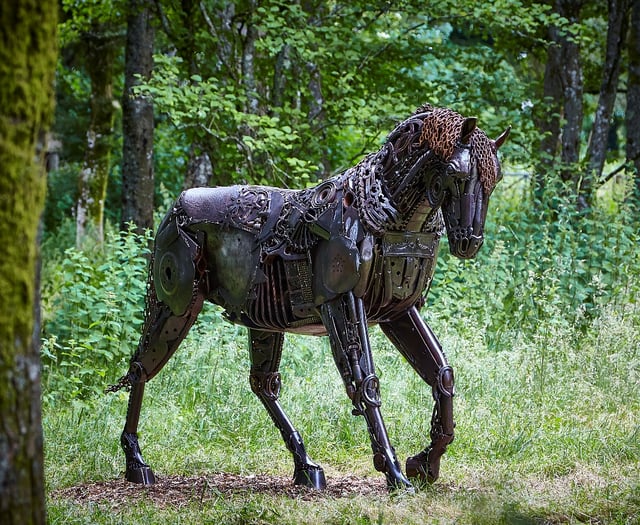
point(441, 132)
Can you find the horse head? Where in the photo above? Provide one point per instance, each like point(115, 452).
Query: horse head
point(463, 185)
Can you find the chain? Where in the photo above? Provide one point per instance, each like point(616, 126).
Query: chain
point(123, 383)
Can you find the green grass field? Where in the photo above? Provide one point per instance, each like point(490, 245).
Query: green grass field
point(548, 431)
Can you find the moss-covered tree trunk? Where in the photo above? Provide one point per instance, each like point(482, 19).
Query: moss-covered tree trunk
point(27, 65)
point(100, 49)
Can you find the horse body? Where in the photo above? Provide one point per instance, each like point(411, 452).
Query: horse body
point(273, 256)
point(360, 248)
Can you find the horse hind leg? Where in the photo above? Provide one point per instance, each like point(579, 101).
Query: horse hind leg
point(265, 350)
point(171, 310)
point(418, 344)
point(160, 340)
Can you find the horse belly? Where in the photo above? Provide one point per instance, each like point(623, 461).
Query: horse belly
point(269, 295)
point(232, 262)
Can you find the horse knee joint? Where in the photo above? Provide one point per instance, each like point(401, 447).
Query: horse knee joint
point(445, 382)
point(367, 394)
point(266, 385)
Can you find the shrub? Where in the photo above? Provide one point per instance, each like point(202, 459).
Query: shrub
point(93, 305)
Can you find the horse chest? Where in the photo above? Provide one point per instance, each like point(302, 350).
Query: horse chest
point(398, 273)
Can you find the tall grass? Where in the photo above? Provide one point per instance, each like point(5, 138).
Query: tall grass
point(544, 339)
point(550, 436)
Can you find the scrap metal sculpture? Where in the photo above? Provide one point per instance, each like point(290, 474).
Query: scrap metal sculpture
point(359, 248)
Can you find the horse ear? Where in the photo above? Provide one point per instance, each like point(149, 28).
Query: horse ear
point(468, 127)
point(500, 140)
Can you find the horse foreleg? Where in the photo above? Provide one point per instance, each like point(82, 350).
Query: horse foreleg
point(418, 344)
point(266, 349)
point(346, 324)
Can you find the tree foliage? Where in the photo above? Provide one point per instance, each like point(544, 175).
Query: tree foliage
point(317, 84)
point(286, 93)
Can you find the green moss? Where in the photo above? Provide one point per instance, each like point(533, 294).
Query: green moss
point(27, 65)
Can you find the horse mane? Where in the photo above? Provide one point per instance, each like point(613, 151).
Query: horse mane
point(381, 175)
point(439, 129)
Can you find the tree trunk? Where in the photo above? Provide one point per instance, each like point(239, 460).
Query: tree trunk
point(571, 78)
point(259, 165)
point(249, 35)
point(547, 116)
point(317, 115)
point(100, 53)
point(281, 72)
point(199, 166)
point(199, 169)
point(632, 115)
point(27, 65)
point(316, 112)
point(562, 103)
point(137, 121)
point(598, 140)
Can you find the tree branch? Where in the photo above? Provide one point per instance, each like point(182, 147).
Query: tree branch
point(603, 180)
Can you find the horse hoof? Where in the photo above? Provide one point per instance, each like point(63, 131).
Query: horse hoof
point(310, 477)
point(401, 485)
point(419, 468)
point(141, 475)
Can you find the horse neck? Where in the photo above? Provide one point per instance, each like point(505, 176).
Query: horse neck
point(390, 192)
point(425, 219)
point(407, 190)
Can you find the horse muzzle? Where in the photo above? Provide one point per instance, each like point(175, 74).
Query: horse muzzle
point(465, 247)
point(464, 214)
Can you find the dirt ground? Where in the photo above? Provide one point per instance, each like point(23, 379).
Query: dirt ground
point(181, 490)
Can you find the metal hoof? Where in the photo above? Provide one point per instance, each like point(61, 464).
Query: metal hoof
point(400, 485)
point(142, 475)
point(419, 467)
point(312, 477)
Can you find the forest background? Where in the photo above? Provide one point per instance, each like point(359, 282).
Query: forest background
point(543, 328)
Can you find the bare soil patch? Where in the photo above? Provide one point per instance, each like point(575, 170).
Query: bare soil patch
point(182, 490)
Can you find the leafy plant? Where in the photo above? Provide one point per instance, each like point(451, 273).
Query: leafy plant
point(93, 304)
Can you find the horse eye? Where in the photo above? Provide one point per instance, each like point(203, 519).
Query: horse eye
point(451, 170)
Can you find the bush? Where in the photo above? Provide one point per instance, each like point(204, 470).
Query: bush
point(93, 306)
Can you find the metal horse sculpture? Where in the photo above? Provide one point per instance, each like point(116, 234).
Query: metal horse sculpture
point(358, 249)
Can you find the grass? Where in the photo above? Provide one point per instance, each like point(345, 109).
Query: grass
point(548, 431)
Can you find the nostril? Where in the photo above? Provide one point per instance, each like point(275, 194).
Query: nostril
point(464, 245)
